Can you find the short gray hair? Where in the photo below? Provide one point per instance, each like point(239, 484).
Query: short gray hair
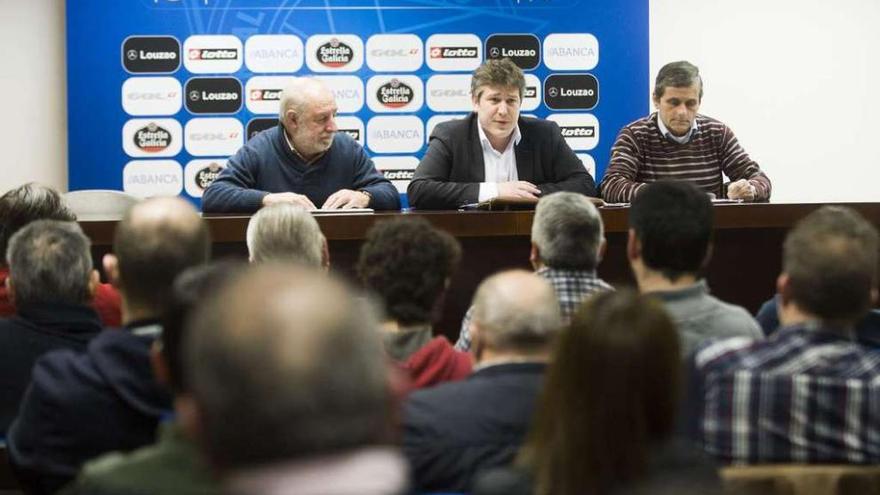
point(568, 230)
point(50, 262)
point(516, 311)
point(263, 362)
point(681, 74)
point(298, 93)
point(285, 232)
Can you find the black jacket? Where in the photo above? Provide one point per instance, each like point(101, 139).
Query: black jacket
point(455, 430)
point(32, 332)
point(81, 405)
point(452, 169)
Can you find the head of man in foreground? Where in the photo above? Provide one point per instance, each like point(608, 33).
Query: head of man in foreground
point(287, 232)
point(567, 233)
point(285, 366)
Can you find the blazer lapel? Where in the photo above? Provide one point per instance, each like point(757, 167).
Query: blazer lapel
point(525, 160)
point(477, 165)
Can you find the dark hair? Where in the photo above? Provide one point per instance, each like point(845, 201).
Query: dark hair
point(830, 257)
point(499, 73)
point(407, 262)
point(681, 74)
point(673, 222)
point(192, 288)
point(611, 395)
point(156, 240)
point(26, 203)
point(50, 262)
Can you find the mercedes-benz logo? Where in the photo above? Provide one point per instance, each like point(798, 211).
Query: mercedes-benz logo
point(132, 54)
point(553, 92)
point(494, 52)
point(194, 95)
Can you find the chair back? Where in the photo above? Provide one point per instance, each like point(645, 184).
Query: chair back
point(99, 204)
point(801, 479)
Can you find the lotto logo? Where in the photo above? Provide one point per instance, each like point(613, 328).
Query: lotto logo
point(213, 54)
point(580, 130)
point(454, 52)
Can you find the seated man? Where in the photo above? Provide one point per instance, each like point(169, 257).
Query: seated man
point(303, 160)
point(809, 393)
point(494, 152)
point(287, 232)
point(669, 244)
point(23, 205)
point(51, 281)
point(455, 430)
point(677, 143)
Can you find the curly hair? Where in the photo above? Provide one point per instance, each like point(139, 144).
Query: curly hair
point(407, 262)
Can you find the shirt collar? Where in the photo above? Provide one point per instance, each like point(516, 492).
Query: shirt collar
point(295, 152)
point(678, 139)
point(484, 140)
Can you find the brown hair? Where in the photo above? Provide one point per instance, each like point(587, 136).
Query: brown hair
point(500, 73)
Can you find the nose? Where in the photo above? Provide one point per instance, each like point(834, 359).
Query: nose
point(331, 125)
point(502, 109)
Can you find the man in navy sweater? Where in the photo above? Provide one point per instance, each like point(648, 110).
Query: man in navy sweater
point(302, 161)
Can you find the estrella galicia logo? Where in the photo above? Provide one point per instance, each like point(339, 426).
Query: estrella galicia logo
point(213, 95)
point(335, 53)
point(395, 94)
point(571, 91)
point(522, 49)
point(151, 54)
point(152, 138)
point(256, 126)
point(204, 177)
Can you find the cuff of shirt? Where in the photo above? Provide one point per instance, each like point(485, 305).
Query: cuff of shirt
point(488, 190)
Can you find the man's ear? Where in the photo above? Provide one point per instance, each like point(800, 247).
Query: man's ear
point(535, 257)
point(709, 250)
point(477, 341)
point(600, 253)
point(783, 288)
point(325, 255)
point(291, 117)
point(159, 365)
point(656, 101)
point(633, 246)
point(475, 100)
point(111, 268)
point(94, 282)
point(10, 290)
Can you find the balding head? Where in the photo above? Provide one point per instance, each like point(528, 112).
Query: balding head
point(515, 312)
point(308, 114)
point(156, 240)
point(290, 357)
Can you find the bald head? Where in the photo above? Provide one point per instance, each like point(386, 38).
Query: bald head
point(265, 360)
point(155, 241)
point(301, 91)
point(516, 311)
point(308, 114)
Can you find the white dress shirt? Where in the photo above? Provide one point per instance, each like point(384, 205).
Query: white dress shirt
point(499, 167)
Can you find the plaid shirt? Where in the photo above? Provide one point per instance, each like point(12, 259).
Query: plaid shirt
point(571, 286)
point(806, 394)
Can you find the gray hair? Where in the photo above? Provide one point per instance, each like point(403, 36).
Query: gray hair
point(263, 362)
point(50, 261)
point(298, 93)
point(285, 232)
point(516, 311)
point(681, 74)
point(568, 230)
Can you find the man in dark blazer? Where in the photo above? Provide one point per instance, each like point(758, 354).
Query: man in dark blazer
point(494, 152)
point(457, 429)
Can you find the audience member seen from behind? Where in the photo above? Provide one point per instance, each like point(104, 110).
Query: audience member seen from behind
point(455, 430)
point(172, 465)
point(407, 263)
point(29, 202)
point(290, 388)
point(51, 281)
point(606, 416)
point(809, 393)
point(669, 245)
point(568, 242)
point(287, 233)
point(81, 405)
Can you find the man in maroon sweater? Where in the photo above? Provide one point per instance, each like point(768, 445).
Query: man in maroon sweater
point(678, 143)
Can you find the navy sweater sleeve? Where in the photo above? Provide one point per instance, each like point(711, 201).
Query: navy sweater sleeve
point(234, 190)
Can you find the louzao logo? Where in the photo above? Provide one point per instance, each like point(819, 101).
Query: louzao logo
point(579, 131)
point(521, 49)
point(454, 52)
point(151, 138)
point(256, 126)
point(204, 177)
point(153, 54)
point(213, 54)
point(571, 91)
point(213, 95)
point(265, 95)
point(335, 54)
point(395, 94)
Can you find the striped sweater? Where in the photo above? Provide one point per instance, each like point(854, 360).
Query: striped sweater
point(641, 154)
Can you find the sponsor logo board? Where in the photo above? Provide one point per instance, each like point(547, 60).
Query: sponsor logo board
point(398, 169)
point(522, 49)
point(532, 95)
point(213, 136)
point(571, 91)
point(258, 125)
point(273, 53)
point(348, 90)
point(199, 174)
point(395, 93)
point(589, 163)
point(147, 178)
point(352, 126)
point(438, 119)
point(151, 96)
point(152, 137)
point(151, 54)
point(263, 93)
point(394, 53)
point(571, 51)
point(453, 52)
point(213, 95)
point(204, 54)
point(334, 53)
point(449, 93)
point(395, 134)
point(580, 130)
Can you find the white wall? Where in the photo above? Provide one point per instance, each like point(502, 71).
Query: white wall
point(795, 80)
